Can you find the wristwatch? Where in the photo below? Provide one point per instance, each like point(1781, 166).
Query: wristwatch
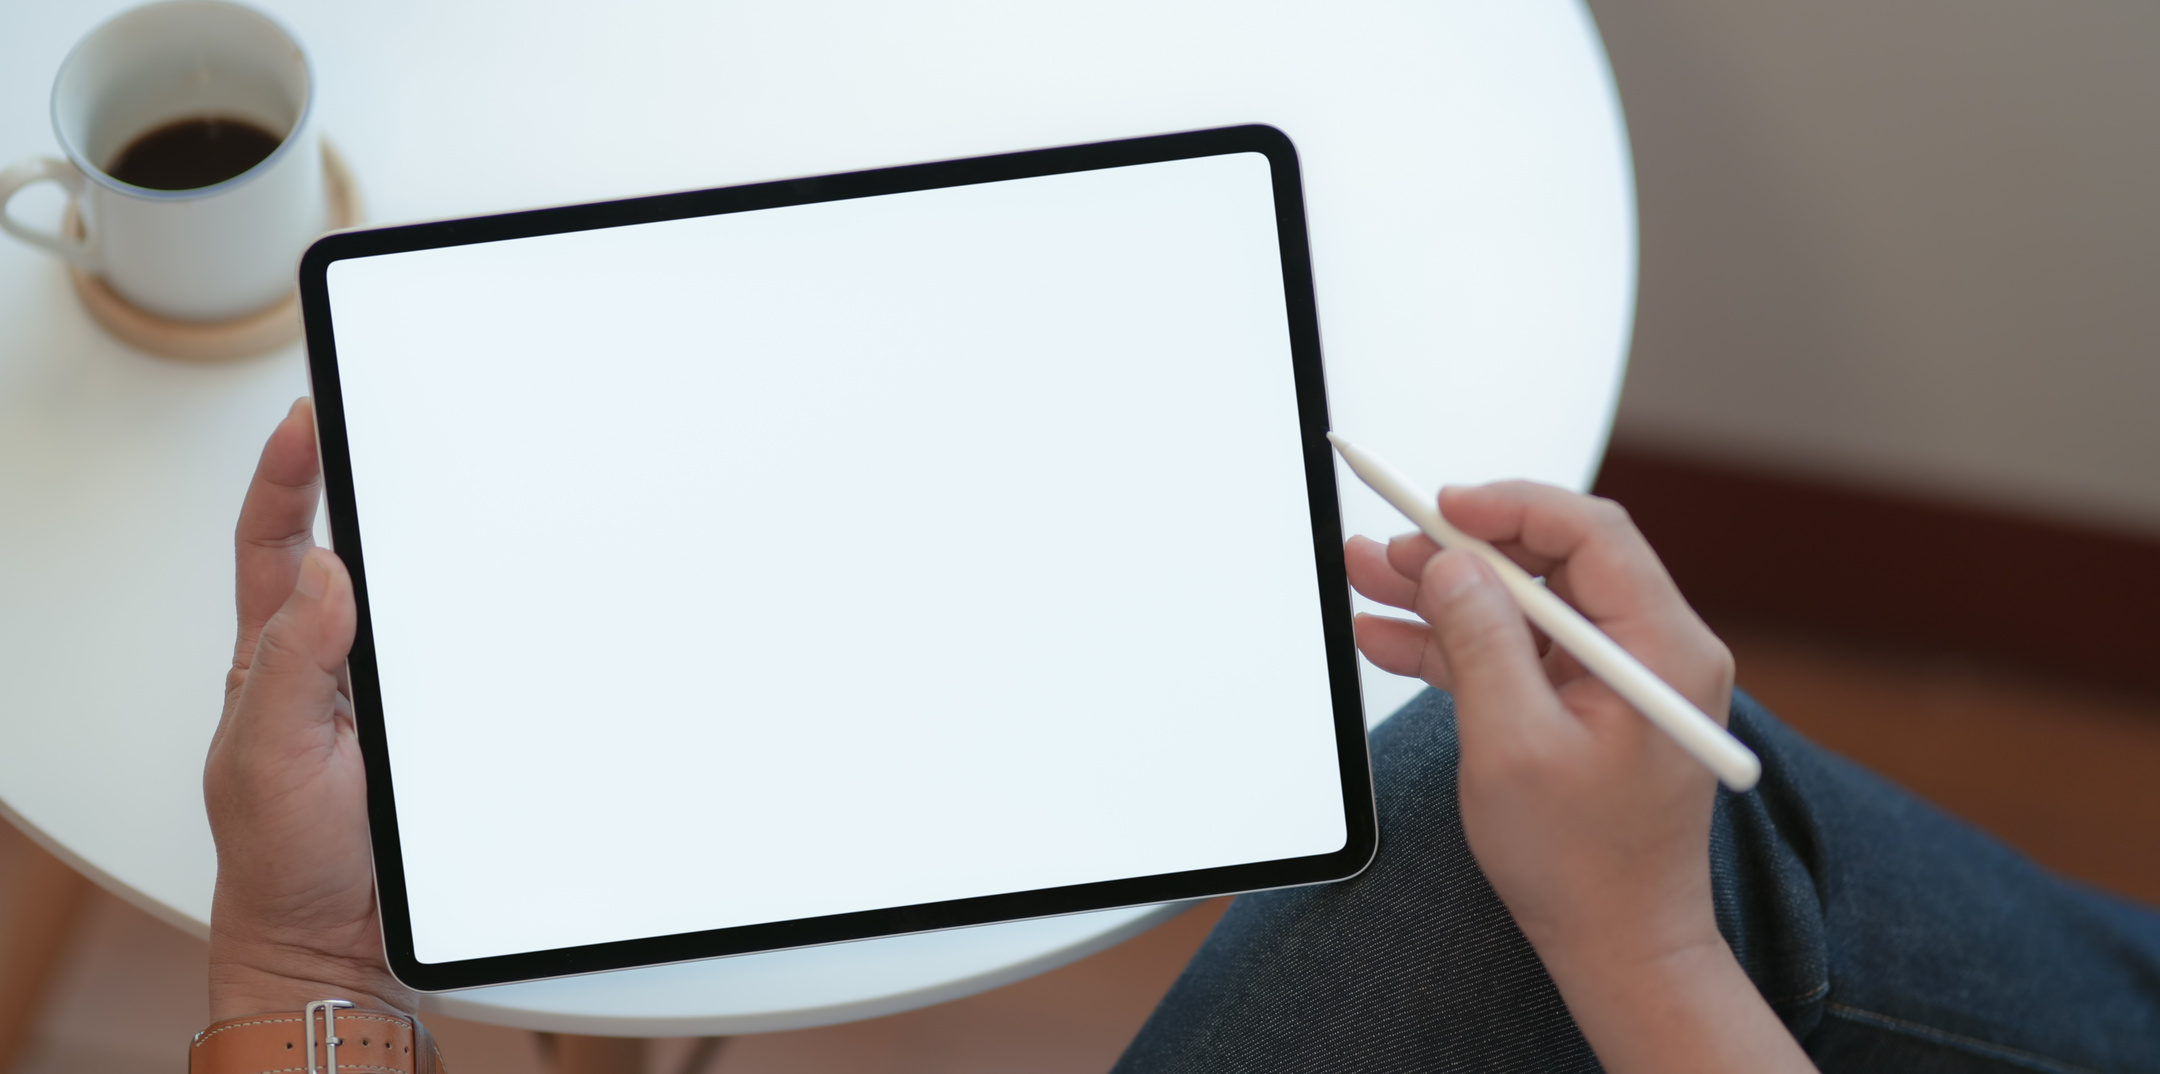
point(350, 1040)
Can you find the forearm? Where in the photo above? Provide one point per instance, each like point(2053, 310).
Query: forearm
point(1687, 1009)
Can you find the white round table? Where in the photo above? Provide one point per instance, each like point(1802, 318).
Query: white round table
point(1473, 236)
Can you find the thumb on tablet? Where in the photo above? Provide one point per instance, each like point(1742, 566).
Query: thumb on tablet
point(292, 695)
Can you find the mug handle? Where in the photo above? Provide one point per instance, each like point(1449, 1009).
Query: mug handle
point(76, 252)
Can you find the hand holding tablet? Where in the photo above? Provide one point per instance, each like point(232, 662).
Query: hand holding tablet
point(294, 915)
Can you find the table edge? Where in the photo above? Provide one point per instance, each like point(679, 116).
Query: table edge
point(453, 1005)
point(118, 888)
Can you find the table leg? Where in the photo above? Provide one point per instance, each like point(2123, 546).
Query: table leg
point(40, 901)
point(702, 1054)
point(595, 1055)
point(620, 1055)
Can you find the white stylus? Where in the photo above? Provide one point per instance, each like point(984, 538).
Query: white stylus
point(1734, 764)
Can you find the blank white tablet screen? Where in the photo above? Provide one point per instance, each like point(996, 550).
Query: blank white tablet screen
point(838, 557)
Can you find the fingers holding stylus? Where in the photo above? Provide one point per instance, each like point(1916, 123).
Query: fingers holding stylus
point(1592, 556)
point(1376, 574)
point(1586, 548)
point(1397, 646)
point(1409, 552)
point(1473, 642)
point(1541, 528)
point(1389, 574)
point(1401, 647)
point(1502, 694)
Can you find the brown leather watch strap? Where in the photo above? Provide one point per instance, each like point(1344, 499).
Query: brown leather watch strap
point(368, 1042)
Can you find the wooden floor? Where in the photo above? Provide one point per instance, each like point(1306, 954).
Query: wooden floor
point(2068, 773)
point(2064, 771)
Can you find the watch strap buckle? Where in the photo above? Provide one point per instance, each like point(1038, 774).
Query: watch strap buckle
point(329, 1041)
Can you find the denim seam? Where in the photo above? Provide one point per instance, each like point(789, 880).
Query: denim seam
point(1955, 1040)
point(1809, 996)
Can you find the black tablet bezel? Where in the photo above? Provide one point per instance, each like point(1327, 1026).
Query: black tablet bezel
point(1358, 810)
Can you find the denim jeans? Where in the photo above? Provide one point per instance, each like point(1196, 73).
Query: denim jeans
point(1886, 934)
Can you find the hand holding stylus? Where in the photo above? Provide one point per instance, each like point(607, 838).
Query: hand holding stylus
point(1591, 823)
point(1703, 738)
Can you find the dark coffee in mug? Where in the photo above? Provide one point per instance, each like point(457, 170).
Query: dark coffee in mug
point(192, 153)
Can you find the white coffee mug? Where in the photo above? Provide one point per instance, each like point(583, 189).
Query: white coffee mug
point(206, 254)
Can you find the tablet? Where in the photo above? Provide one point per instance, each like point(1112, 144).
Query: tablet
point(823, 559)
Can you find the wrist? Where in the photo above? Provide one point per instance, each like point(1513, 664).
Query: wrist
point(1628, 946)
point(1626, 965)
point(1688, 1008)
point(241, 987)
point(1614, 922)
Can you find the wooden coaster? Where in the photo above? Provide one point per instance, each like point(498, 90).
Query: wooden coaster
point(214, 341)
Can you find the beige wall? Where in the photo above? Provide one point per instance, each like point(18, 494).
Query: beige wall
point(1911, 242)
